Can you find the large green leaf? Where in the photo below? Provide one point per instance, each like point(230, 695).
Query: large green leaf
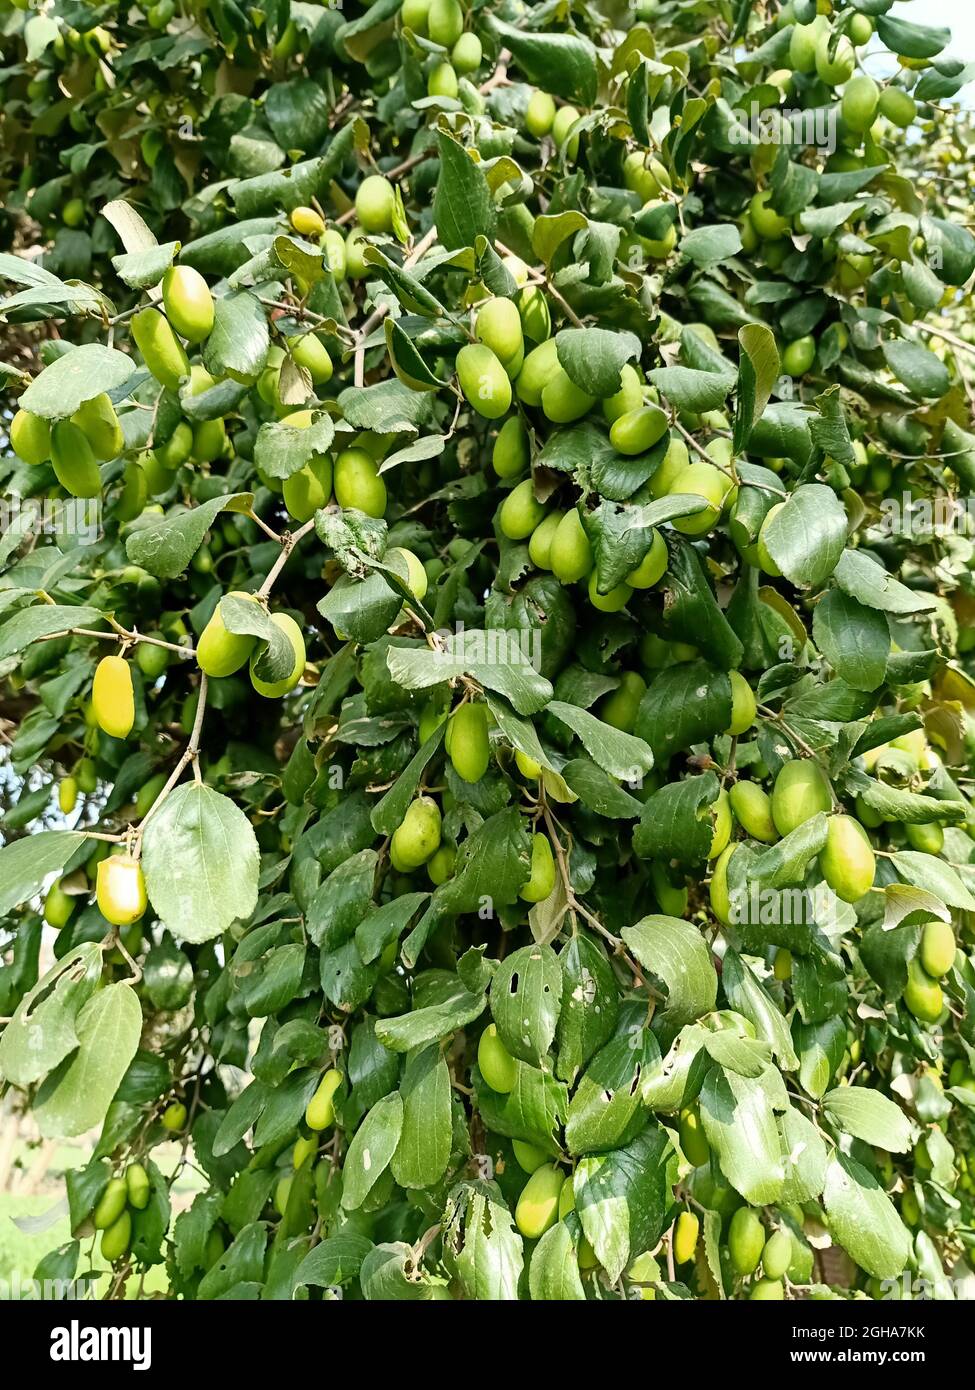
point(76, 1097)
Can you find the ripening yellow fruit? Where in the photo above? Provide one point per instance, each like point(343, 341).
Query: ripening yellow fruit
point(320, 1111)
point(188, 303)
point(375, 203)
point(307, 222)
point(120, 889)
point(743, 705)
point(686, 1232)
point(112, 697)
point(542, 878)
point(538, 1205)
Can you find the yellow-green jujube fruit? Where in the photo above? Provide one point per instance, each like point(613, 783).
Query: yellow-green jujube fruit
point(746, 1240)
point(375, 202)
point(75, 465)
point(612, 602)
point(799, 356)
point(333, 244)
point(801, 791)
point(719, 894)
point(638, 430)
point(539, 114)
point(137, 1186)
point(115, 1241)
point(110, 1204)
point(529, 767)
point(562, 400)
point(938, 946)
point(306, 491)
point(762, 553)
point(177, 448)
point(161, 350)
point(701, 480)
point(67, 795)
point(320, 1110)
point(541, 881)
point(120, 889)
point(209, 440)
point(511, 454)
point(529, 1157)
point(495, 1062)
point(30, 437)
point(520, 512)
point(538, 1205)
point(58, 906)
point(415, 15)
point(686, 1231)
point(188, 303)
point(282, 1192)
point(220, 652)
point(743, 704)
point(418, 837)
point(837, 68)
point(307, 222)
point(723, 824)
point(652, 567)
point(536, 317)
point(445, 22)
point(767, 1291)
point(355, 245)
point(357, 483)
point(174, 1117)
point(627, 399)
point(620, 706)
point(565, 119)
point(858, 106)
point(442, 81)
point(922, 994)
point(928, 837)
point(467, 53)
point(539, 367)
point(440, 865)
point(311, 353)
point(693, 1140)
point(416, 576)
point(769, 224)
point(673, 463)
point(777, 1255)
point(112, 697)
point(752, 807)
point(498, 327)
point(803, 42)
point(306, 1146)
point(273, 690)
point(897, 106)
point(483, 380)
point(99, 423)
point(570, 556)
point(847, 861)
point(470, 747)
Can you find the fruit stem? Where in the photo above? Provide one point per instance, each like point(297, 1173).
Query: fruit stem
point(288, 543)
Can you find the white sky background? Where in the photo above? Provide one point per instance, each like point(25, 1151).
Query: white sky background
point(956, 15)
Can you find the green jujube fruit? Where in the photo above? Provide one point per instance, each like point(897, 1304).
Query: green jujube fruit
point(520, 511)
point(613, 601)
point(777, 1255)
point(495, 1062)
point(320, 1110)
point(483, 380)
point(693, 1140)
point(570, 556)
point(539, 366)
point(58, 906)
point(542, 878)
point(137, 1186)
point(719, 895)
point(800, 792)
point(928, 837)
point(652, 567)
point(539, 114)
point(75, 465)
point(743, 705)
point(110, 1205)
point(899, 107)
point(746, 1240)
point(536, 317)
point(540, 541)
point(177, 448)
point(358, 484)
point(619, 708)
point(752, 807)
point(673, 463)
point(273, 690)
point(799, 356)
point(445, 22)
point(467, 53)
point(638, 430)
point(30, 437)
point(100, 425)
point(442, 81)
point(311, 353)
point(847, 861)
point(115, 1241)
point(922, 994)
point(529, 1157)
point(686, 1232)
point(627, 399)
point(538, 1205)
point(418, 837)
point(161, 350)
point(470, 747)
point(219, 652)
point(510, 455)
point(858, 106)
point(767, 1291)
point(375, 202)
point(498, 327)
point(308, 489)
point(723, 824)
point(562, 399)
point(938, 946)
point(188, 302)
point(700, 480)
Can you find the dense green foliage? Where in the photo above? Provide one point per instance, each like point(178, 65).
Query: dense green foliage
point(483, 641)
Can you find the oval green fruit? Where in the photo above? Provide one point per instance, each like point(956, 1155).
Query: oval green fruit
point(743, 704)
point(746, 1240)
point(440, 865)
point(273, 690)
point(769, 225)
point(358, 483)
point(542, 878)
point(897, 106)
point(467, 53)
point(137, 1186)
point(511, 455)
point(723, 824)
point(333, 244)
point(673, 463)
point(620, 706)
point(30, 437)
point(752, 807)
point(799, 356)
point(375, 202)
point(686, 1231)
point(311, 353)
point(58, 906)
point(638, 430)
point(445, 22)
point(565, 119)
point(538, 1205)
point(693, 1141)
point(858, 107)
point(928, 838)
point(115, 1241)
point(801, 791)
point(175, 450)
point(99, 423)
point(539, 114)
point(777, 1255)
point(922, 994)
point(188, 303)
point(536, 317)
point(529, 1157)
point(442, 81)
point(847, 861)
point(938, 947)
point(613, 601)
point(75, 465)
point(539, 367)
point(498, 327)
point(652, 567)
point(483, 380)
point(220, 652)
point(767, 1291)
point(520, 512)
point(418, 837)
point(470, 747)
point(627, 399)
point(161, 350)
point(320, 1110)
point(570, 556)
point(67, 795)
point(701, 480)
point(495, 1062)
point(110, 1205)
point(562, 400)
point(306, 491)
